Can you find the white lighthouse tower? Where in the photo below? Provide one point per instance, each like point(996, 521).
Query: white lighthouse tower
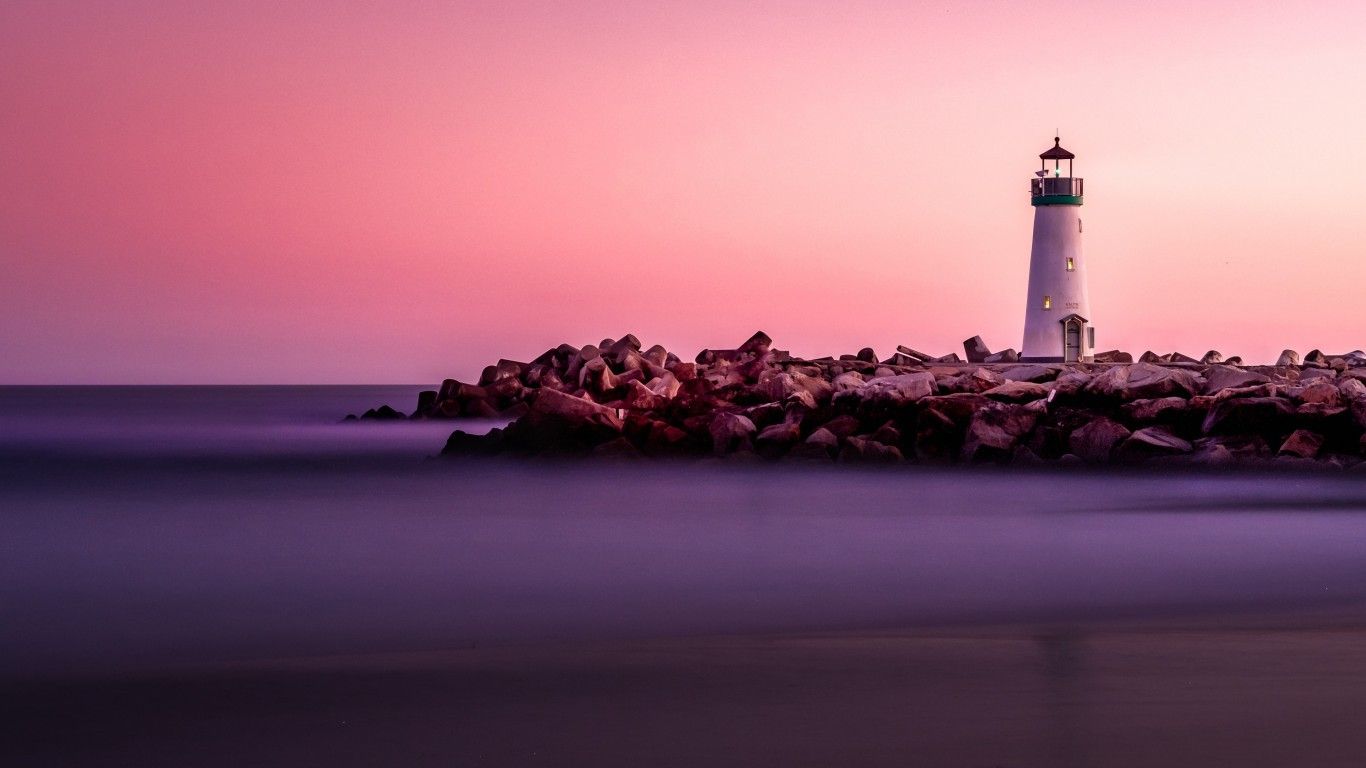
point(1058, 311)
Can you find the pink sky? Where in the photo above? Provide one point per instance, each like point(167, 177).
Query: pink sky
point(386, 192)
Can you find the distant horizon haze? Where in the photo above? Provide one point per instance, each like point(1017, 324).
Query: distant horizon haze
point(403, 192)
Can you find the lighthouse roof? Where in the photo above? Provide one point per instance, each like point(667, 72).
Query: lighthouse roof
point(1056, 152)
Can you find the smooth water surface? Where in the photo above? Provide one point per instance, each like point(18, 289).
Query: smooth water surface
point(188, 531)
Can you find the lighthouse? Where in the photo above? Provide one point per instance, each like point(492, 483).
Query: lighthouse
point(1057, 312)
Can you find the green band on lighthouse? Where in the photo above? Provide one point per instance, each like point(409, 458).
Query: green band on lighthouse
point(1055, 200)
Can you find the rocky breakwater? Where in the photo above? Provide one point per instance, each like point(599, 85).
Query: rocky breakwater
point(617, 399)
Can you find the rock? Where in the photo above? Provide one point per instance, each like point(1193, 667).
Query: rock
point(1150, 357)
point(842, 426)
point(914, 354)
point(1004, 356)
point(976, 350)
point(995, 430)
point(846, 382)
point(1095, 441)
point(1351, 388)
point(382, 413)
point(1219, 377)
point(576, 410)
point(1167, 409)
point(757, 344)
point(1235, 360)
point(1177, 357)
point(1288, 357)
point(1070, 383)
point(730, 432)
point(859, 450)
point(1035, 373)
point(1248, 415)
point(900, 389)
point(1142, 380)
point(1302, 443)
point(775, 440)
point(618, 448)
point(1113, 356)
point(825, 439)
point(1212, 357)
point(887, 434)
point(1309, 374)
point(1316, 358)
point(426, 400)
point(867, 355)
point(1319, 391)
point(1017, 392)
point(1213, 455)
point(952, 358)
point(1153, 441)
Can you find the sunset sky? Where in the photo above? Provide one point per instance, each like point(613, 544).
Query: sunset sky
point(399, 192)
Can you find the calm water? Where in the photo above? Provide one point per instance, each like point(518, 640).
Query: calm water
point(186, 532)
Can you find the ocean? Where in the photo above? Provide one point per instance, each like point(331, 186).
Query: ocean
point(231, 576)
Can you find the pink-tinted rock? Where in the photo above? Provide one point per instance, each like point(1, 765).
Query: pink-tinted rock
point(1095, 441)
point(1302, 443)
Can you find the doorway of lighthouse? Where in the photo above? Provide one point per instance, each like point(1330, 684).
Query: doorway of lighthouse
point(1072, 329)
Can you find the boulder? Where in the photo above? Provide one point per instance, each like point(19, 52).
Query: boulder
point(825, 439)
point(1113, 356)
point(1150, 357)
point(1177, 357)
point(887, 434)
point(1302, 443)
point(951, 358)
point(730, 432)
point(1165, 409)
point(1248, 415)
point(1153, 441)
point(1315, 358)
point(866, 355)
point(775, 440)
point(976, 350)
point(863, 451)
point(914, 354)
point(1095, 441)
point(1235, 360)
point(842, 426)
point(1142, 380)
point(1017, 392)
point(382, 413)
point(846, 382)
point(995, 430)
point(1288, 357)
point(757, 344)
point(900, 389)
point(1004, 356)
point(1219, 377)
point(1317, 391)
point(1212, 357)
point(1070, 383)
point(1035, 373)
point(550, 402)
point(617, 448)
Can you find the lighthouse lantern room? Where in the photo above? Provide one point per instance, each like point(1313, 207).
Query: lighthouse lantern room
point(1057, 312)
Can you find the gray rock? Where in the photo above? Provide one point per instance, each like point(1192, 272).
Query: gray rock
point(1095, 441)
point(1288, 357)
point(915, 354)
point(1035, 373)
point(902, 388)
point(1302, 443)
point(976, 350)
point(1248, 415)
point(1017, 392)
point(1152, 441)
point(1156, 409)
point(1219, 377)
point(730, 432)
point(1142, 380)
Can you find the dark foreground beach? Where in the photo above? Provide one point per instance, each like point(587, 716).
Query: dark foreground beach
point(218, 576)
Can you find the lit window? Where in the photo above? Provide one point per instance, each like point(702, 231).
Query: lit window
point(1071, 264)
point(1048, 302)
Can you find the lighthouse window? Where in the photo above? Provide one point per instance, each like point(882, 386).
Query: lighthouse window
point(1048, 302)
point(1071, 264)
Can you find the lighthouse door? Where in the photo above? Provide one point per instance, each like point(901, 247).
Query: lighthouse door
point(1071, 335)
